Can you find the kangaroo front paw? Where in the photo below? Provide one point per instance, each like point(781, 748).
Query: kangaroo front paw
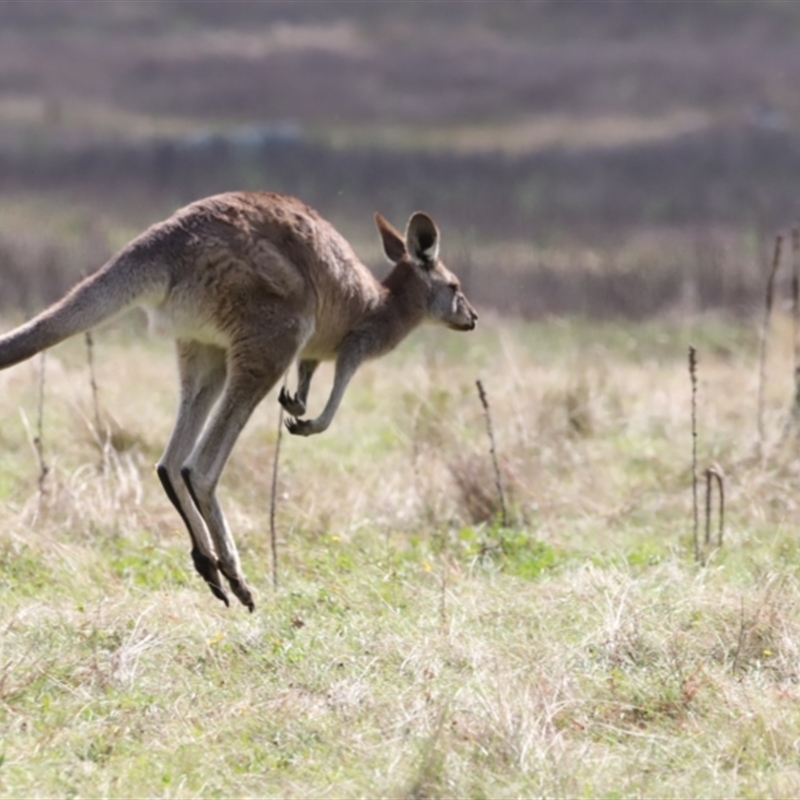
point(300, 427)
point(292, 403)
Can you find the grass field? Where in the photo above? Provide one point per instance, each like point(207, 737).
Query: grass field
point(414, 647)
point(620, 161)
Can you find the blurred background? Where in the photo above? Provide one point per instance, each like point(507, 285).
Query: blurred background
point(608, 159)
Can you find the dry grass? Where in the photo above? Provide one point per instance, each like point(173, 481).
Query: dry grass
point(411, 651)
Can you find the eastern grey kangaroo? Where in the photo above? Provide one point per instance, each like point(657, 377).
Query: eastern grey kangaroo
point(245, 283)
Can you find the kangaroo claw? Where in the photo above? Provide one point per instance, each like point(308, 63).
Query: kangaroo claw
point(210, 574)
point(242, 591)
point(291, 403)
point(299, 427)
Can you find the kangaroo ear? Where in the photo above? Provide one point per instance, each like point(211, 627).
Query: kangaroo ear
point(393, 245)
point(422, 238)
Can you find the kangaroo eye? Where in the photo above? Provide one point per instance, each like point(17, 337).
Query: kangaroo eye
point(453, 286)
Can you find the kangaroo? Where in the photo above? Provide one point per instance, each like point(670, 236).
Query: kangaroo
point(247, 282)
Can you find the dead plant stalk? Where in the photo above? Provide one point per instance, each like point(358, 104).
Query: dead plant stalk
point(693, 378)
point(93, 383)
point(796, 318)
point(762, 360)
point(712, 477)
point(273, 500)
point(493, 450)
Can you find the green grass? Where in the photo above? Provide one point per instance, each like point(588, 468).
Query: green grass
point(411, 648)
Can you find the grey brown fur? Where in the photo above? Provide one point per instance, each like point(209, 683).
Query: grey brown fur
point(245, 283)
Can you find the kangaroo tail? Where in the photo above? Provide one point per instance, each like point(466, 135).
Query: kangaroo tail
point(127, 278)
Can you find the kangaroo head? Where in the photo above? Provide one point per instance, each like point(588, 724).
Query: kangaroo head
point(416, 257)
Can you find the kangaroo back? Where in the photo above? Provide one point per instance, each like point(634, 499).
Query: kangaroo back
point(126, 279)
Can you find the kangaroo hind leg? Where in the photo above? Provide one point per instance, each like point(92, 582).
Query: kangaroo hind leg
point(202, 376)
point(252, 372)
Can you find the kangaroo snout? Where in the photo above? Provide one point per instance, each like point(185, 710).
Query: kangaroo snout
point(465, 326)
point(472, 318)
point(467, 322)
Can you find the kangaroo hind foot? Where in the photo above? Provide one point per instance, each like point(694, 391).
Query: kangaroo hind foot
point(210, 574)
point(239, 587)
